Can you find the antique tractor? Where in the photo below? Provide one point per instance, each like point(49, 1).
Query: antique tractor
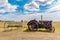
point(34, 25)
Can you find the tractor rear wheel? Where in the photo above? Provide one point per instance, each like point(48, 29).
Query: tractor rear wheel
point(33, 25)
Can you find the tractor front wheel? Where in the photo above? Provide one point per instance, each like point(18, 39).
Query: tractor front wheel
point(52, 29)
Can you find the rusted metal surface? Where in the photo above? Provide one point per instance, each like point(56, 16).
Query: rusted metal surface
point(34, 25)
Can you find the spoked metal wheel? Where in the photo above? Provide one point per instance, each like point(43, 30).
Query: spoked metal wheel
point(52, 29)
point(32, 28)
point(32, 25)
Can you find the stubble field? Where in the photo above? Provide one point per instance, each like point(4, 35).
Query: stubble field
point(25, 35)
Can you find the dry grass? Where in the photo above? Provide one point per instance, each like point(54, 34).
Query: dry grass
point(19, 35)
point(1, 24)
point(56, 23)
point(24, 24)
point(38, 35)
point(5, 24)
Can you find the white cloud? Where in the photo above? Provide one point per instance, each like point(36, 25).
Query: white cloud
point(42, 0)
point(50, 2)
point(55, 16)
point(10, 8)
point(3, 3)
point(46, 16)
point(32, 6)
point(55, 7)
point(2, 11)
point(6, 6)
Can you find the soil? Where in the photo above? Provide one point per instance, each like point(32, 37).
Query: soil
point(19, 35)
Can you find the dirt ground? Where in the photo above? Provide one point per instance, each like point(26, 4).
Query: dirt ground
point(19, 35)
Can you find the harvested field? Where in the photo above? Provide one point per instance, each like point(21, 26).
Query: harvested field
point(18, 35)
point(25, 35)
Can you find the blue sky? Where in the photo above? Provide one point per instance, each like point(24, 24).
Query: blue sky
point(16, 10)
point(21, 3)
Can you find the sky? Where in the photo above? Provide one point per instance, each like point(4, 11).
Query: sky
point(17, 10)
